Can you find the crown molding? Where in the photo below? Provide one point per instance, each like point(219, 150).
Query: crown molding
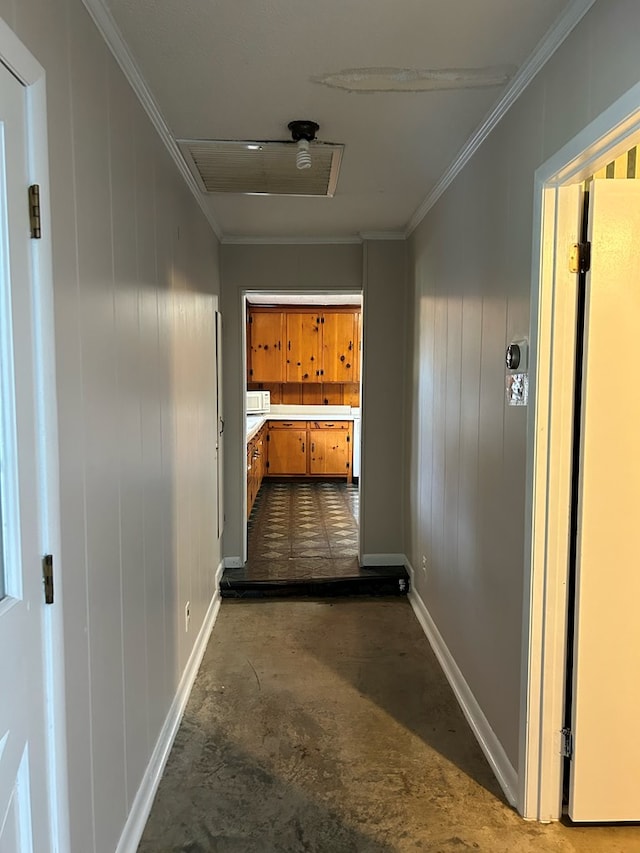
point(110, 32)
point(383, 235)
point(545, 49)
point(230, 240)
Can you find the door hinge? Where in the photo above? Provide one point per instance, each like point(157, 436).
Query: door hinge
point(580, 257)
point(34, 212)
point(267, 465)
point(47, 576)
point(268, 438)
point(566, 749)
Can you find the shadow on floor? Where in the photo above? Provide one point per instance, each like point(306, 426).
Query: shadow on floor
point(243, 784)
point(297, 738)
point(421, 701)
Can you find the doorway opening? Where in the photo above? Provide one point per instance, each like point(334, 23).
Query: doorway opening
point(303, 401)
point(302, 404)
point(566, 635)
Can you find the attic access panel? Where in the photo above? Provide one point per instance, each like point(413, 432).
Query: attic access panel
point(261, 168)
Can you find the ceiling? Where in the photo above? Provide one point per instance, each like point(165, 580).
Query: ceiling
point(242, 70)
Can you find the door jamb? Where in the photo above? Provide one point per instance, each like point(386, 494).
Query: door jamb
point(549, 441)
point(31, 74)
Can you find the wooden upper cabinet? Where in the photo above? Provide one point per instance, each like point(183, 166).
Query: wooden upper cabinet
point(266, 351)
point(303, 352)
point(304, 346)
point(341, 358)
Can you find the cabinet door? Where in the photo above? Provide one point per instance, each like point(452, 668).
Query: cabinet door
point(287, 452)
point(340, 347)
point(357, 358)
point(250, 478)
point(303, 354)
point(266, 346)
point(330, 452)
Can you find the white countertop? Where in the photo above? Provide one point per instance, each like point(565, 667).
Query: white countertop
point(302, 413)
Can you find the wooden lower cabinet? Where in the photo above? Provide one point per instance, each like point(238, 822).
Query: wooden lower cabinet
point(329, 452)
point(287, 452)
point(256, 466)
point(309, 449)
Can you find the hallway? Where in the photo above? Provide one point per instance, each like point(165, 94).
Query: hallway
point(329, 727)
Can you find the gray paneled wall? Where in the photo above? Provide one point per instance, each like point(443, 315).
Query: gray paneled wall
point(135, 279)
point(471, 279)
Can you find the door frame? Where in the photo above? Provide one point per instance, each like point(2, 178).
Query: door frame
point(31, 74)
point(246, 294)
point(549, 448)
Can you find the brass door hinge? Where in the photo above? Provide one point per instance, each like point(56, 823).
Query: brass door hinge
point(580, 257)
point(34, 212)
point(47, 576)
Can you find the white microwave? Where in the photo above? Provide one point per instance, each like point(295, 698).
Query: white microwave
point(258, 402)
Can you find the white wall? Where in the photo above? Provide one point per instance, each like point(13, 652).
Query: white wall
point(377, 269)
point(135, 278)
point(471, 276)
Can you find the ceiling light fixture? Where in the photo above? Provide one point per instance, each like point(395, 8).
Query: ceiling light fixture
point(303, 132)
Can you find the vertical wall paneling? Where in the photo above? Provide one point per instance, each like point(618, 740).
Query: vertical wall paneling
point(136, 280)
point(467, 449)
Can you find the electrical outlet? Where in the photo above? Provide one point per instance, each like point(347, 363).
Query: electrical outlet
point(187, 615)
point(424, 563)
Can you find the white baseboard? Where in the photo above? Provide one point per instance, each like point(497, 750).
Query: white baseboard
point(489, 743)
point(383, 560)
point(141, 806)
point(233, 563)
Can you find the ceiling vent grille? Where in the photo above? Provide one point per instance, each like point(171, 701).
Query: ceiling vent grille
point(262, 168)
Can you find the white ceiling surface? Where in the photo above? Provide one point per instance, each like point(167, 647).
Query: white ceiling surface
point(242, 70)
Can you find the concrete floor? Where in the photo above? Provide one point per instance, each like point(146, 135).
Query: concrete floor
point(328, 727)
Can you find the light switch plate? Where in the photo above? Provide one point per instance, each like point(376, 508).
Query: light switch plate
point(517, 386)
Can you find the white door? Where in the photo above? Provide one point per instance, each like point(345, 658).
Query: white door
point(606, 686)
point(24, 818)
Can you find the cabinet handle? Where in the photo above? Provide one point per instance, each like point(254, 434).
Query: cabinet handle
point(328, 425)
point(303, 446)
point(289, 346)
point(313, 447)
point(350, 345)
point(278, 344)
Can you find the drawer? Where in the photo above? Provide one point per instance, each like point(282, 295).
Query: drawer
point(287, 424)
point(330, 424)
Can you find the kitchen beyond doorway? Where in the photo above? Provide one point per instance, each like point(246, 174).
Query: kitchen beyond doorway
point(303, 540)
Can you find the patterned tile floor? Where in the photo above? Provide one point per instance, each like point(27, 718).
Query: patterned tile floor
point(303, 529)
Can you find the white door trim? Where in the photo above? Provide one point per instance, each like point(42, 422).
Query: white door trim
point(29, 71)
point(549, 442)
